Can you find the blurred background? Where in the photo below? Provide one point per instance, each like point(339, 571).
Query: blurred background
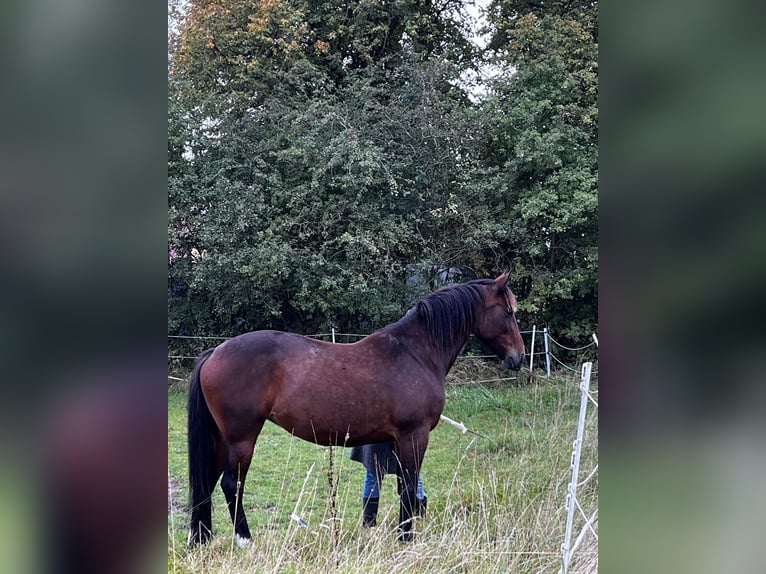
point(83, 289)
point(682, 269)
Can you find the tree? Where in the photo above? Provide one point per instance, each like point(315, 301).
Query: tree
point(320, 152)
point(541, 152)
point(308, 176)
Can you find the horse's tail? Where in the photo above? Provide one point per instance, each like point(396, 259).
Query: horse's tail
point(202, 435)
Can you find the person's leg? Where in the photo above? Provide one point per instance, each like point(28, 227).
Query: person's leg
point(370, 499)
point(371, 486)
point(421, 493)
point(422, 498)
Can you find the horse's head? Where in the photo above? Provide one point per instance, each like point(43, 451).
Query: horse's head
point(497, 327)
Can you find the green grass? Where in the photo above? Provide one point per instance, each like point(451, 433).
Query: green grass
point(496, 503)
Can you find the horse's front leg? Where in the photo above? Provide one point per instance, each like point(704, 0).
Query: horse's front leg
point(410, 450)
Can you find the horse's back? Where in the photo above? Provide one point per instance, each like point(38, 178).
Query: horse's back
point(265, 342)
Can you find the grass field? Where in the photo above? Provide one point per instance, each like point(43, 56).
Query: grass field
point(496, 503)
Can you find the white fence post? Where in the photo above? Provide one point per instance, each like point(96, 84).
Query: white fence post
point(566, 549)
point(532, 349)
point(333, 334)
point(547, 353)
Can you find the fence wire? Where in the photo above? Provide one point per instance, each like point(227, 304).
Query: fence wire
point(328, 336)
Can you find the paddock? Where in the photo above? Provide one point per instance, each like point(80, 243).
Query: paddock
point(496, 503)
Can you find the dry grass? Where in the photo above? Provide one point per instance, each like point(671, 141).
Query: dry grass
point(585, 559)
point(495, 505)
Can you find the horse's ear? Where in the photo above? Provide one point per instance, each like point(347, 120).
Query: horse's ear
point(501, 281)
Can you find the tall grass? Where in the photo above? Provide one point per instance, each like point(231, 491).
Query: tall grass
point(496, 503)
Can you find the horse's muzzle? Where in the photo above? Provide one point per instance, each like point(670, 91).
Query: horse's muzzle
point(513, 361)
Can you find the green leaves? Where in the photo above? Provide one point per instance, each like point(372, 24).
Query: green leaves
point(317, 150)
point(543, 141)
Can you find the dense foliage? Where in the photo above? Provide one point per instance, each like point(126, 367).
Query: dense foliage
point(327, 161)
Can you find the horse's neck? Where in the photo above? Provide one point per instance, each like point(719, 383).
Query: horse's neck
point(412, 327)
point(453, 355)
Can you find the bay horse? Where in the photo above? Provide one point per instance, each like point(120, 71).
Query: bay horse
point(386, 386)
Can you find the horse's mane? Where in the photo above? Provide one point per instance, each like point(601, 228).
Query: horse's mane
point(449, 314)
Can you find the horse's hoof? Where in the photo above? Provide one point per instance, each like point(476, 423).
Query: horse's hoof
point(242, 542)
point(406, 536)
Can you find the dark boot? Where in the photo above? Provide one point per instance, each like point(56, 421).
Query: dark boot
point(422, 507)
point(370, 512)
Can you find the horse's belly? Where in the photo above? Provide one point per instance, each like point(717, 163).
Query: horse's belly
point(332, 420)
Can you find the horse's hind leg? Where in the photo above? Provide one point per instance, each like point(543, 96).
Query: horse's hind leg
point(233, 486)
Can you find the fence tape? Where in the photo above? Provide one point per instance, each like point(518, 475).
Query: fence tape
point(549, 354)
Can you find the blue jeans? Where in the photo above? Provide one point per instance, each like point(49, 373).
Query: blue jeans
point(372, 487)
